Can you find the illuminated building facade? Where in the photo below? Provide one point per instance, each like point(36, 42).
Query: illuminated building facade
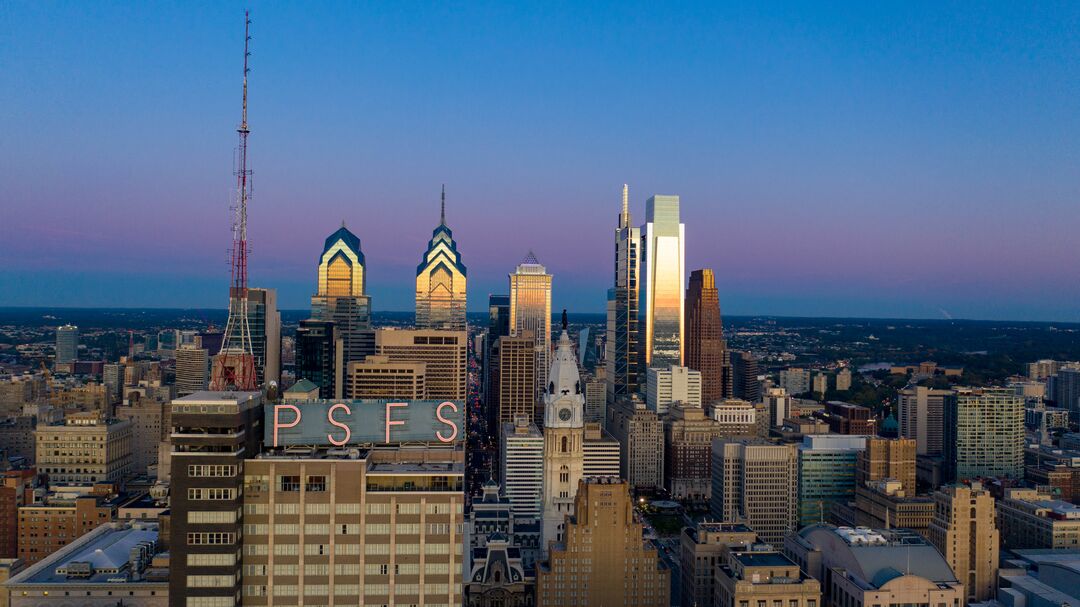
point(661, 309)
point(440, 281)
point(530, 310)
point(623, 349)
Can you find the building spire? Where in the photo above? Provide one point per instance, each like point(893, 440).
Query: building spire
point(442, 210)
point(624, 218)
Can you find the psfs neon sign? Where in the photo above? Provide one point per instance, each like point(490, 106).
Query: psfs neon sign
point(358, 422)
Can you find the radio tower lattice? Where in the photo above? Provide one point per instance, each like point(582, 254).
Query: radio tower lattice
point(234, 366)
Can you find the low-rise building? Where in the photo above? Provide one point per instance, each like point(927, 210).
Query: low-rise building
point(84, 448)
point(1029, 518)
point(764, 577)
point(701, 550)
point(56, 521)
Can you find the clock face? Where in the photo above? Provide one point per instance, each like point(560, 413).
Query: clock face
point(564, 414)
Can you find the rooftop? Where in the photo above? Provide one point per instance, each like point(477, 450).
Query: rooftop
point(762, 559)
point(105, 555)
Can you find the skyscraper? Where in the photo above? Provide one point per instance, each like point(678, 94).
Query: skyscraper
point(67, 344)
point(826, 474)
point(317, 356)
point(706, 350)
point(530, 310)
point(192, 369)
point(964, 530)
point(564, 434)
point(341, 297)
point(623, 350)
point(498, 325)
point(264, 320)
point(664, 387)
point(661, 308)
point(756, 482)
point(440, 281)
point(984, 435)
point(922, 413)
point(641, 433)
point(516, 394)
point(444, 354)
point(744, 380)
point(887, 458)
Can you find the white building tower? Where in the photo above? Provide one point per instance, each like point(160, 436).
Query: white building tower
point(564, 439)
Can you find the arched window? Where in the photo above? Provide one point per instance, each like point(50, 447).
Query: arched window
point(564, 475)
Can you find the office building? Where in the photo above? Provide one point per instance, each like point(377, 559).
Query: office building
point(688, 441)
point(601, 452)
point(212, 434)
point(16, 490)
point(515, 385)
point(984, 435)
point(640, 431)
point(756, 482)
point(498, 326)
point(763, 576)
point(341, 297)
point(378, 377)
point(150, 427)
point(377, 527)
point(663, 274)
point(112, 376)
point(521, 467)
point(735, 417)
point(67, 344)
point(702, 548)
point(264, 321)
point(671, 385)
point(17, 437)
point(444, 354)
point(115, 564)
point(874, 567)
point(745, 372)
point(317, 356)
point(602, 564)
point(886, 504)
point(595, 399)
point(826, 474)
point(1040, 370)
point(965, 532)
point(530, 311)
point(795, 380)
point(921, 413)
point(886, 458)
point(84, 448)
point(706, 350)
point(846, 418)
point(440, 281)
point(843, 380)
point(192, 369)
point(57, 519)
point(623, 358)
point(1064, 388)
point(779, 405)
point(1032, 518)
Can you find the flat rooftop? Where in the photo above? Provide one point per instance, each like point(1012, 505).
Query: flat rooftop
point(762, 559)
point(101, 555)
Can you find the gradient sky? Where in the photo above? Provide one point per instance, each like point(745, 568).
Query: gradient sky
point(866, 159)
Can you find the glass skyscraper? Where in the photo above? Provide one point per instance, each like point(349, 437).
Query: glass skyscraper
point(530, 310)
point(661, 307)
point(622, 348)
point(440, 281)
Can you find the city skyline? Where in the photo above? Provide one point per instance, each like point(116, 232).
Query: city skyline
point(908, 184)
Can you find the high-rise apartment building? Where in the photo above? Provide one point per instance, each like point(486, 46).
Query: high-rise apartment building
point(444, 354)
point(843, 380)
point(756, 482)
point(264, 321)
point(965, 531)
point(530, 311)
point(888, 458)
point(84, 448)
point(984, 435)
point(744, 376)
point(603, 560)
point(663, 275)
point(623, 357)
point(440, 281)
point(795, 380)
point(317, 357)
point(921, 413)
point(516, 380)
point(640, 431)
point(341, 297)
point(706, 350)
point(826, 474)
point(688, 435)
point(192, 369)
point(673, 384)
point(212, 434)
point(378, 527)
point(67, 344)
point(380, 378)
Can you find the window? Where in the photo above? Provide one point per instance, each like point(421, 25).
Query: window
point(407, 529)
point(256, 549)
point(348, 529)
point(316, 483)
point(251, 570)
point(254, 483)
point(351, 549)
point(316, 549)
point(317, 529)
point(208, 470)
point(211, 538)
point(371, 549)
point(255, 508)
point(288, 483)
point(211, 601)
point(210, 581)
point(286, 569)
point(211, 493)
point(349, 508)
point(347, 569)
point(317, 508)
point(199, 516)
point(377, 528)
point(408, 508)
point(286, 508)
point(211, 560)
point(376, 569)
point(317, 569)
point(378, 508)
point(286, 549)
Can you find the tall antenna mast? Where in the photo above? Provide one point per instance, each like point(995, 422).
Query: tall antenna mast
point(234, 366)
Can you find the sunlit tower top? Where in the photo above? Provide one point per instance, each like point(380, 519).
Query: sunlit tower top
point(234, 366)
point(441, 280)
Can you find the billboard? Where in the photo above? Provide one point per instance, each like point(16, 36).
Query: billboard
point(368, 421)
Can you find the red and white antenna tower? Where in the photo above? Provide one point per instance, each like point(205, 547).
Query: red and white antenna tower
point(234, 366)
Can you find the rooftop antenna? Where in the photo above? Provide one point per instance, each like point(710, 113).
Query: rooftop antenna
point(234, 366)
point(442, 211)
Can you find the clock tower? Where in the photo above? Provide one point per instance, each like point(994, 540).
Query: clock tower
point(564, 437)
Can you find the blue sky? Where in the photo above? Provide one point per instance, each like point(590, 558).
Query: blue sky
point(890, 159)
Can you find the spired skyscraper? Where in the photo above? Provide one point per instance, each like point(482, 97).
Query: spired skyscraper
point(440, 281)
point(623, 350)
point(661, 307)
point(530, 310)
